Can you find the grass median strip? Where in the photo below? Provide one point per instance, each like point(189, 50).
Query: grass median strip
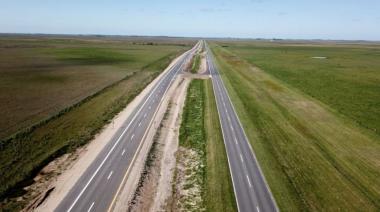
point(205, 182)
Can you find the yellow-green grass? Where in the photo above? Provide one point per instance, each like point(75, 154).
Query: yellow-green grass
point(348, 80)
point(313, 159)
point(219, 190)
point(40, 76)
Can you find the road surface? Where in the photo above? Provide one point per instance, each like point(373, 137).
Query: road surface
point(97, 188)
point(251, 190)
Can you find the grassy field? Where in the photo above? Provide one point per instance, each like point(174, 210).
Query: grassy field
point(313, 158)
point(199, 135)
point(40, 76)
point(348, 80)
point(219, 190)
point(24, 154)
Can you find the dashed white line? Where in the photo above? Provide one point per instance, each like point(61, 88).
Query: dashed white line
point(249, 182)
point(123, 152)
point(110, 174)
point(236, 141)
point(92, 205)
point(150, 107)
point(132, 136)
point(144, 115)
point(257, 207)
point(241, 158)
point(140, 124)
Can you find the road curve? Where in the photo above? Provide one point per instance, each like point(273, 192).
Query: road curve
point(97, 187)
point(251, 190)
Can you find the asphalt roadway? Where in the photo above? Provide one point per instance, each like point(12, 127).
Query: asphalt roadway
point(97, 188)
point(251, 190)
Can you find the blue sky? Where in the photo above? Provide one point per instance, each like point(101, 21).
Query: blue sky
point(324, 19)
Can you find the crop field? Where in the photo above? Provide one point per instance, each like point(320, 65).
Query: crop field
point(105, 89)
point(40, 76)
point(313, 123)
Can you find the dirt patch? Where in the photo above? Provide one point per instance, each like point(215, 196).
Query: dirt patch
point(155, 184)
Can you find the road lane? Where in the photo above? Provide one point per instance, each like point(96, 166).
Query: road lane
point(96, 188)
point(251, 190)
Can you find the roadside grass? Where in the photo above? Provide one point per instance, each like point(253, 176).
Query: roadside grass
point(40, 76)
point(219, 189)
point(24, 154)
point(312, 159)
point(348, 80)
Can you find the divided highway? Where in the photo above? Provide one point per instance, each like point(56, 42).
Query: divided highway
point(251, 190)
point(99, 185)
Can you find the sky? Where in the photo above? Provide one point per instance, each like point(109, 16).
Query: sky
point(287, 19)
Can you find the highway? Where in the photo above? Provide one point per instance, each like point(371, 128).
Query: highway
point(251, 190)
point(97, 188)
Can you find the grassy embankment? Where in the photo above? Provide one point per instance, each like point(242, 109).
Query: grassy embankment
point(206, 173)
point(24, 154)
point(313, 158)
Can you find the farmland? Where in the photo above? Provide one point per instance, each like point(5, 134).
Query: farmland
point(52, 73)
point(67, 89)
point(312, 122)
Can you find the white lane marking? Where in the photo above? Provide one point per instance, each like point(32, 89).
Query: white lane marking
point(144, 115)
point(123, 152)
point(140, 124)
point(226, 110)
point(241, 158)
point(132, 136)
point(150, 107)
point(249, 182)
point(257, 207)
point(228, 118)
point(236, 141)
point(109, 176)
point(92, 205)
point(231, 128)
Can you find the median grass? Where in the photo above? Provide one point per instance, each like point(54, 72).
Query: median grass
point(24, 154)
point(195, 64)
point(219, 189)
point(313, 158)
point(202, 152)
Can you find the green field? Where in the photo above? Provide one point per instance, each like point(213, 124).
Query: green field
point(315, 155)
point(200, 132)
point(40, 76)
point(24, 154)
